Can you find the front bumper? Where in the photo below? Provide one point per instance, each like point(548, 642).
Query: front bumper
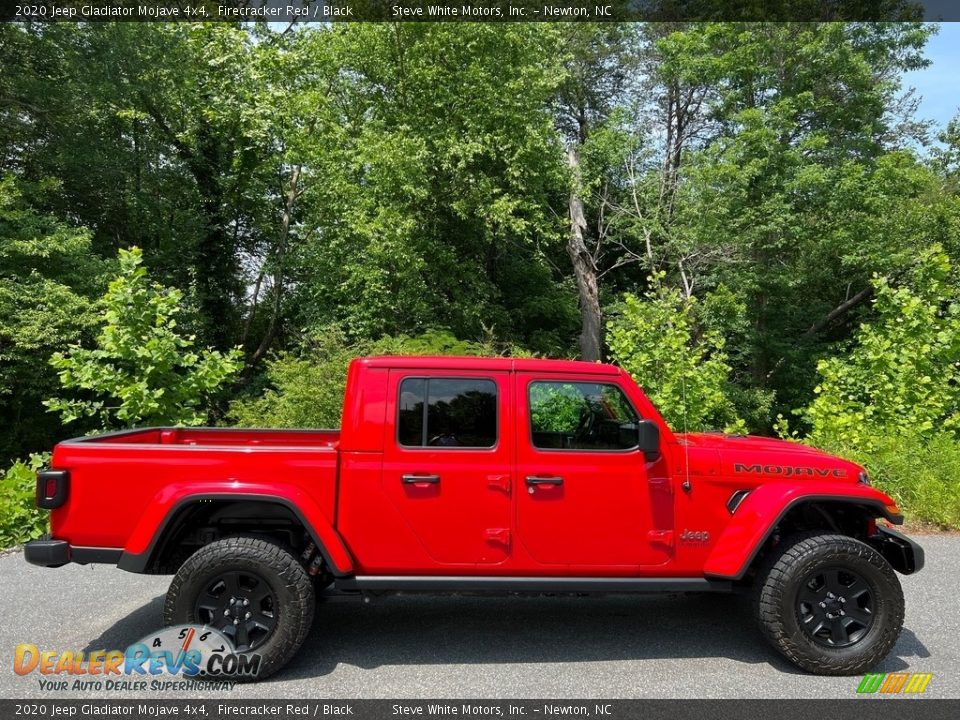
point(901, 552)
point(47, 552)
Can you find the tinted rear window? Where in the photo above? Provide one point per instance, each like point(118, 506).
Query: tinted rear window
point(447, 412)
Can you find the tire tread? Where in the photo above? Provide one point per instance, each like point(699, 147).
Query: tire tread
point(773, 580)
point(208, 559)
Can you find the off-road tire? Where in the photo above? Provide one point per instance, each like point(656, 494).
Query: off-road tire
point(779, 582)
point(292, 589)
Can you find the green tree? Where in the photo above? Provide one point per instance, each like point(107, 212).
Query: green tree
point(902, 376)
point(169, 137)
point(439, 180)
point(48, 279)
point(305, 388)
point(794, 183)
point(598, 62)
point(681, 366)
point(143, 370)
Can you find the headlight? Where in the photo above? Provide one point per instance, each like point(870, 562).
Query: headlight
point(864, 479)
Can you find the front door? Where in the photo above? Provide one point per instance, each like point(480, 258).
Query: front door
point(583, 496)
point(447, 467)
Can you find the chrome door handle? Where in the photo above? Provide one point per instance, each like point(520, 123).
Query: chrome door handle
point(417, 479)
point(535, 480)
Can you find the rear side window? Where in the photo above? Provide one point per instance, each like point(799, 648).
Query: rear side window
point(581, 416)
point(447, 412)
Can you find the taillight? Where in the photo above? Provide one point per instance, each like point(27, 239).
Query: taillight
point(52, 488)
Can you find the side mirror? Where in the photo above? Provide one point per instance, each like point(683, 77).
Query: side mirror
point(648, 439)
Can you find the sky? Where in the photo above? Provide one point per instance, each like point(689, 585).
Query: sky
point(939, 84)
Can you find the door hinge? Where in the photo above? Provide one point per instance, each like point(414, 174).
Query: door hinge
point(501, 536)
point(499, 482)
point(660, 482)
point(664, 537)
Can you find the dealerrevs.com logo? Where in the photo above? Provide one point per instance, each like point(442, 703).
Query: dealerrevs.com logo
point(183, 657)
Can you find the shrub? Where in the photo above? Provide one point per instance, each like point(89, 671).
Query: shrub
point(893, 402)
point(143, 370)
point(921, 473)
point(20, 519)
point(305, 389)
point(903, 373)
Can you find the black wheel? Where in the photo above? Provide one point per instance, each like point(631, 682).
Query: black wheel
point(829, 603)
point(252, 590)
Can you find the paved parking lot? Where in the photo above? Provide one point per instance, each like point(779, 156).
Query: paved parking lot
point(553, 647)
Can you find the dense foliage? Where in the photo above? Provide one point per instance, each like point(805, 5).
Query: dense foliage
point(142, 371)
point(304, 388)
point(653, 339)
point(20, 519)
point(748, 217)
point(902, 374)
point(48, 279)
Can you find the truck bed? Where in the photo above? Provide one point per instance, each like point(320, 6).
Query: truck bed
point(222, 437)
point(123, 484)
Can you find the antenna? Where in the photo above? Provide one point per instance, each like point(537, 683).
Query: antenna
point(686, 440)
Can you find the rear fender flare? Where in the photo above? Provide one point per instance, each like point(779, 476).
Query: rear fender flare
point(758, 515)
point(150, 531)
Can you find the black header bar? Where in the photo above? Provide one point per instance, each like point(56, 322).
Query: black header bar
point(51, 708)
point(314, 11)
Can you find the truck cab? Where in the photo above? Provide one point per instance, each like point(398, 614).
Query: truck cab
point(509, 466)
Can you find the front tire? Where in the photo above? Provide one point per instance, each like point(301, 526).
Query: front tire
point(252, 590)
point(832, 605)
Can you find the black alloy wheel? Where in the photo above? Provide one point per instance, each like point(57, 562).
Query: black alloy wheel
point(252, 589)
point(835, 607)
point(239, 604)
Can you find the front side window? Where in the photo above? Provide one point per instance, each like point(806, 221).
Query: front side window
point(447, 412)
point(581, 416)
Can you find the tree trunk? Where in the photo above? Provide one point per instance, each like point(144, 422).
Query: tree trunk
point(217, 268)
point(216, 265)
point(584, 269)
point(291, 194)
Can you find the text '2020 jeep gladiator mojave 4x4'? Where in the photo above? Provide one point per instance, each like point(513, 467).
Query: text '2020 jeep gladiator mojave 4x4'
point(454, 475)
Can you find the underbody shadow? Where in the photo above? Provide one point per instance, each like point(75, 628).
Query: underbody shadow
point(422, 630)
point(429, 630)
point(126, 631)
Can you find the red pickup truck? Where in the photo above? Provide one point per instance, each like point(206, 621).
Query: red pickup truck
point(495, 475)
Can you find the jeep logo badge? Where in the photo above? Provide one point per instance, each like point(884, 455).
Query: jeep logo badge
point(695, 537)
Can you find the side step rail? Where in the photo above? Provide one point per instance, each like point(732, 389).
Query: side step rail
point(470, 584)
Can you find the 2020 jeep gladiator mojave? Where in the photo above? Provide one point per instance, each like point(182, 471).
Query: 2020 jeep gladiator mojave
point(453, 475)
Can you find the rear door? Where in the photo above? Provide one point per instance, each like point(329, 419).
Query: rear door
point(583, 493)
point(448, 462)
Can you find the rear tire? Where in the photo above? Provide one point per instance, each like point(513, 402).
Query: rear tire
point(832, 605)
point(266, 591)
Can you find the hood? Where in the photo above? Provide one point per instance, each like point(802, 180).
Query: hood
point(763, 458)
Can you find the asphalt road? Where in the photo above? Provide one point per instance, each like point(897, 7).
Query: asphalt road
point(553, 647)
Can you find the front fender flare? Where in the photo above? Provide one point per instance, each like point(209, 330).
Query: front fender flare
point(759, 514)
